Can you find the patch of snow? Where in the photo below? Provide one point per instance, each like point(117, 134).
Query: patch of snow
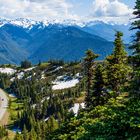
point(20, 75)
point(77, 74)
point(46, 119)
point(29, 69)
point(12, 95)
point(82, 105)
point(76, 107)
point(34, 105)
point(45, 98)
point(60, 77)
point(9, 71)
point(43, 76)
point(29, 77)
point(58, 85)
point(12, 79)
point(58, 68)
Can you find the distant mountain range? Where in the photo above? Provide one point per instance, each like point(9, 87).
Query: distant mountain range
point(68, 40)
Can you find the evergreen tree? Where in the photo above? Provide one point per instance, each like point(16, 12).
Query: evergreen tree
point(25, 133)
point(26, 64)
point(33, 135)
point(135, 58)
point(117, 66)
point(18, 137)
point(98, 87)
point(88, 64)
point(10, 103)
point(3, 132)
point(38, 130)
point(52, 124)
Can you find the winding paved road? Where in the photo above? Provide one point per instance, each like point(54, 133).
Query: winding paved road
point(3, 104)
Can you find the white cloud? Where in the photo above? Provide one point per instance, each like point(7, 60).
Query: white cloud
point(111, 10)
point(107, 10)
point(36, 9)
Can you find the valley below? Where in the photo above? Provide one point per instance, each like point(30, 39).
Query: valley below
point(22, 39)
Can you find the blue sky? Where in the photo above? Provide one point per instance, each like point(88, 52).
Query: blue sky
point(81, 10)
point(131, 3)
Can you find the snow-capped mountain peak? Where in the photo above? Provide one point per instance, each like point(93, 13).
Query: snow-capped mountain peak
point(26, 23)
point(29, 23)
point(3, 22)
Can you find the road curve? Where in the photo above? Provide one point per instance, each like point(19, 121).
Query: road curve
point(3, 104)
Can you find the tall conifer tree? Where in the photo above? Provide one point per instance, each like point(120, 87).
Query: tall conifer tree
point(117, 66)
point(98, 86)
point(89, 62)
point(135, 59)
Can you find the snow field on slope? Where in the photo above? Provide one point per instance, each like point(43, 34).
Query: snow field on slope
point(58, 85)
point(9, 71)
point(76, 108)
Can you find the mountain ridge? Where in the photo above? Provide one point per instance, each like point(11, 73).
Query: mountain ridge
point(37, 41)
point(27, 23)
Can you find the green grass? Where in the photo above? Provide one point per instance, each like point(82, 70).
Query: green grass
point(43, 65)
point(14, 108)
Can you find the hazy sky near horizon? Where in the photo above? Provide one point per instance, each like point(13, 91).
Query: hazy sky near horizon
point(106, 10)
